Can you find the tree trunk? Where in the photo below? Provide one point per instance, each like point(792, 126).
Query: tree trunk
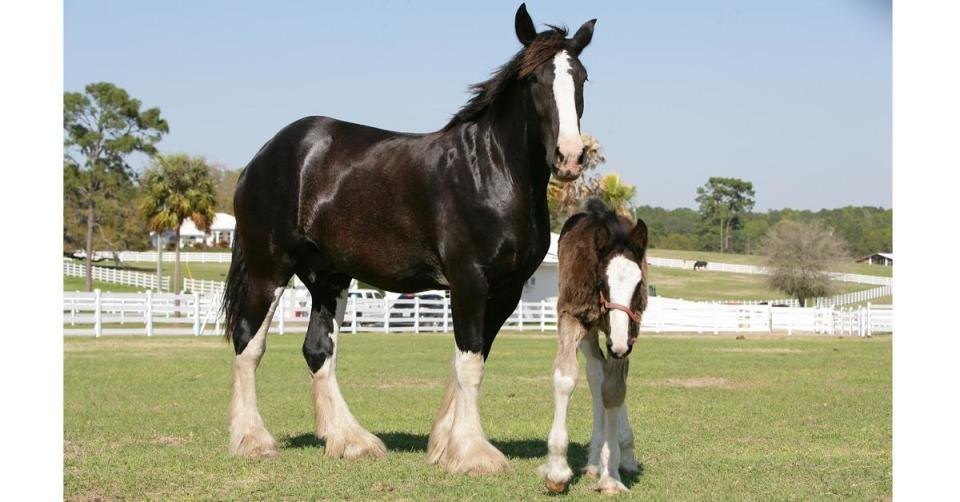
point(159, 262)
point(88, 249)
point(176, 265)
point(721, 234)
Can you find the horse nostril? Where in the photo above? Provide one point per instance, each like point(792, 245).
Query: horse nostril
point(583, 157)
point(559, 156)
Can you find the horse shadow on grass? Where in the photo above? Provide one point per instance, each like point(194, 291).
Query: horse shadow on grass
point(514, 448)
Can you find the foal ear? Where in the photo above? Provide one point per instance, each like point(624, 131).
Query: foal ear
point(638, 237)
point(583, 36)
point(526, 32)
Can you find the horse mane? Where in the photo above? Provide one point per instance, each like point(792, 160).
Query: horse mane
point(522, 64)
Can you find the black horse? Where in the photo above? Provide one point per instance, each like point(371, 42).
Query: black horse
point(699, 264)
point(463, 208)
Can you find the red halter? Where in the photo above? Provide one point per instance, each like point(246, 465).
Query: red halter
point(606, 305)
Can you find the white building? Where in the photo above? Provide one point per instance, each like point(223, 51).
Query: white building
point(878, 259)
point(544, 284)
point(221, 230)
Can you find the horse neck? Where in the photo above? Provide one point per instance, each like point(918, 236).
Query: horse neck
point(514, 124)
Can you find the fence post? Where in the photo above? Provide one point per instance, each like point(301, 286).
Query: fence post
point(196, 314)
point(149, 312)
point(543, 315)
point(353, 318)
point(790, 320)
point(281, 313)
point(446, 313)
point(386, 315)
point(869, 327)
point(716, 319)
point(520, 316)
point(97, 325)
point(416, 314)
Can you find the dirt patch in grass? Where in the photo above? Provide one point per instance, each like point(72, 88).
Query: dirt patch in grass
point(155, 346)
point(169, 440)
point(71, 450)
point(694, 383)
point(759, 350)
point(405, 383)
point(91, 496)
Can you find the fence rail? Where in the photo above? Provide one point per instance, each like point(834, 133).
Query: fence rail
point(217, 257)
point(149, 313)
point(736, 268)
point(112, 275)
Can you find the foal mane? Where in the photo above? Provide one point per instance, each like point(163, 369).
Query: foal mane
point(522, 64)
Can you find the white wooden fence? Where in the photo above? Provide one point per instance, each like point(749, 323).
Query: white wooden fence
point(167, 256)
point(150, 313)
point(757, 270)
point(203, 286)
point(115, 276)
point(221, 257)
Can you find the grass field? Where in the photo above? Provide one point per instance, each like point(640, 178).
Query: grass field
point(715, 419)
point(690, 285)
point(749, 259)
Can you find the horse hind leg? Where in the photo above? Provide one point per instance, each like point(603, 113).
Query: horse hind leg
point(344, 437)
point(248, 435)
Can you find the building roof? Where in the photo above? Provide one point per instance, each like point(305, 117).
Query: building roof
point(888, 256)
point(222, 222)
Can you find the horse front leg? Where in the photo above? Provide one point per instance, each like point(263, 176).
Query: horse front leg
point(556, 472)
point(457, 440)
point(343, 435)
point(612, 392)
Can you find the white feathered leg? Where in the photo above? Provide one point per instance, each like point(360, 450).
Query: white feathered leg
point(556, 472)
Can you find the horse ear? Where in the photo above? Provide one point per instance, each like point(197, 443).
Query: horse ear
point(638, 236)
point(526, 32)
point(583, 36)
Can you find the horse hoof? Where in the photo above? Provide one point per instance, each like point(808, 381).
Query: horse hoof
point(591, 471)
point(556, 486)
point(477, 459)
point(557, 479)
point(256, 445)
point(355, 444)
point(610, 486)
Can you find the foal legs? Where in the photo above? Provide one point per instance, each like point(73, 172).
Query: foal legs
point(556, 471)
point(344, 436)
point(596, 369)
point(248, 436)
point(612, 393)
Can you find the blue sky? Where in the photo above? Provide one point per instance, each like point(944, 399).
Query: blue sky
point(794, 96)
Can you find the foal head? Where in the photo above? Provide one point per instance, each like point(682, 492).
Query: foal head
point(603, 272)
point(551, 68)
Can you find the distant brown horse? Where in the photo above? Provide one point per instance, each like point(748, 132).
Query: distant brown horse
point(603, 288)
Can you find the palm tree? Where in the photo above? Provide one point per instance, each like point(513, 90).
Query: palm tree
point(616, 193)
point(177, 187)
point(564, 198)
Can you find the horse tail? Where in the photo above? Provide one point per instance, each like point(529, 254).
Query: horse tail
point(235, 290)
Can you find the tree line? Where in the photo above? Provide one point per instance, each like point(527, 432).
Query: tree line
point(107, 203)
point(864, 229)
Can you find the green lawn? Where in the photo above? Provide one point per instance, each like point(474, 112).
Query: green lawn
point(76, 284)
point(690, 285)
point(749, 259)
point(715, 419)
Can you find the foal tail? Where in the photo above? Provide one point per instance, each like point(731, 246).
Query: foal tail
point(235, 290)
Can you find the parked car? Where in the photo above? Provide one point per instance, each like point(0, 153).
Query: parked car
point(431, 309)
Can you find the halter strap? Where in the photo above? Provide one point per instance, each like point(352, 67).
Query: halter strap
point(607, 305)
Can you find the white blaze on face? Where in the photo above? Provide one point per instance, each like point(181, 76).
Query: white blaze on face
point(623, 275)
point(568, 141)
